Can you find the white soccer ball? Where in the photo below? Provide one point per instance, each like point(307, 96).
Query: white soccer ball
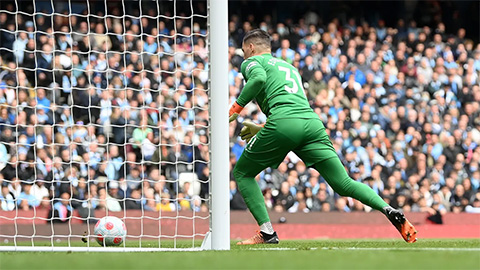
point(110, 231)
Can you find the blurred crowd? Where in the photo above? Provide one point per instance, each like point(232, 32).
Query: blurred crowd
point(401, 105)
point(103, 112)
point(111, 112)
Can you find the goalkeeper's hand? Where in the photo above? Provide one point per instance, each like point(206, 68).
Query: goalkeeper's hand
point(249, 130)
point(234, 111)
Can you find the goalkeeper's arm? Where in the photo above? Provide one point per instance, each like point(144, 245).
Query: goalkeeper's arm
point(256, 78)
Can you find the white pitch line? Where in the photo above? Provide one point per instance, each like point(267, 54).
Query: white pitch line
point(367, 248)
point(278, 248)
point(415, 249)
point(91, 249)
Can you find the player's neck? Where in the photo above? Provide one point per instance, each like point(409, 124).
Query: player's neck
point(262, 52)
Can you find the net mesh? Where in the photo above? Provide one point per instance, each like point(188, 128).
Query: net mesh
point(104, 111)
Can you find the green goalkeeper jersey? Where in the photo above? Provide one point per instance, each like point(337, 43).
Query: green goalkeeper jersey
point(276, 86)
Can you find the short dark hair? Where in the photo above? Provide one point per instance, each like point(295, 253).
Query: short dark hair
point(258, 37)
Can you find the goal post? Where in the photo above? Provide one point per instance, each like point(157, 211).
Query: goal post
point(219, 124)
point(114, 108)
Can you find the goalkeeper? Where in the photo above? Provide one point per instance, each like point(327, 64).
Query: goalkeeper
point(291, 126)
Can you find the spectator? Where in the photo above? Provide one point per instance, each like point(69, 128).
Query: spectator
point(284, 52)
point(316, 84)
point(27, 199)
point(6, 199)
point(62, 209)
point(166, 204)
point(285, 197)
point(19, 46)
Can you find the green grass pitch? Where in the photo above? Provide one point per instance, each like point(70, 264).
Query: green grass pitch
point(301, 254)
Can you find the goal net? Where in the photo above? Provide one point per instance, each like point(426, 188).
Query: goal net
point(105, 111)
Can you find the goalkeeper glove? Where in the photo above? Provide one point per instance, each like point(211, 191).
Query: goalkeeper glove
point(234, 111)
point(249, 130)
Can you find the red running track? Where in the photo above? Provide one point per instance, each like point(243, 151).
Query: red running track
point(345, 231)
point(315, 225)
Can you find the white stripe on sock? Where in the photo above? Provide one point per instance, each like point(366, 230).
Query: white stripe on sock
point(267, 228)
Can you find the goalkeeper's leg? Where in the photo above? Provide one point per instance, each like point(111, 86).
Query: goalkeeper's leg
point(245, 171)
point(318, 152)
point(267, 149)
point(336, 176)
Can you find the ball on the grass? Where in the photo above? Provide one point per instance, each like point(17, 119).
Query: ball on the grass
point(110, 231)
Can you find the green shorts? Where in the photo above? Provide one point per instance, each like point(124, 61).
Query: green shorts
point(305, 137)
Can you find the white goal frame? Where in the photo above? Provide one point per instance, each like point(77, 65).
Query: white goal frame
point(218, 236)
point(220, 200)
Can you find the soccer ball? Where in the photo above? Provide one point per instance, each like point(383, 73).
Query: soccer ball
point(110, 231)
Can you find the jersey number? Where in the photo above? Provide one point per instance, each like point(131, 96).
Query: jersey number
point(289, 78)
